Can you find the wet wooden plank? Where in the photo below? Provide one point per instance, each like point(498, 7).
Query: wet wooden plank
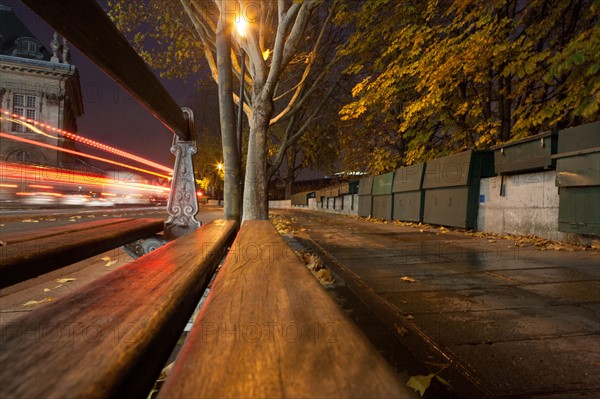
point(111, 337)
point(22, 236)
point(269, 330)
point(24, 260)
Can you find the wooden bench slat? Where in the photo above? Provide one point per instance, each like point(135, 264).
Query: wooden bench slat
point(14, 238)
point(28, 259)
point(112, 337)
point(269, 330)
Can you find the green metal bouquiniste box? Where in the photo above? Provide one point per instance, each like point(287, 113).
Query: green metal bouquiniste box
point(353, 187)
point(451, 186)
point(408, 197)
point(578, 179)
point(526, 155)
point(382, 196)
point(365, 188)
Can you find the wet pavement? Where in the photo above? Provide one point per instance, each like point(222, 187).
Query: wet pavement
point(494, 319)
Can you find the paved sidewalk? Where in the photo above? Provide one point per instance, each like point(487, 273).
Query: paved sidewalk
point(508, 321)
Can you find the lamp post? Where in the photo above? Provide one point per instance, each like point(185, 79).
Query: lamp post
point(219, 170)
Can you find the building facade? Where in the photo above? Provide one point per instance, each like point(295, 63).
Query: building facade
point(41, 85)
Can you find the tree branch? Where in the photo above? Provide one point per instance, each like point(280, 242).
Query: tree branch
point(292, 108)
point(290, 139)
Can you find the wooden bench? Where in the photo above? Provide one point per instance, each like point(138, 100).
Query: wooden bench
point(28, 254)
point(112, 337)
point(268, 329)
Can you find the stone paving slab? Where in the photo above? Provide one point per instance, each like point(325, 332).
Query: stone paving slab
point(534, 366)
point(565, 292)
point(491, 326)
point(544, 275)
point(476, 299)
point(515, 320)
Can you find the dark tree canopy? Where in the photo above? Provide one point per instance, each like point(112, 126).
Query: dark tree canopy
point(435, 77)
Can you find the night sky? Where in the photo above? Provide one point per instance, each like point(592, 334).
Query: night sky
point(111, 115)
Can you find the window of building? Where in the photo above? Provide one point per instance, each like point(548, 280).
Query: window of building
point(29, 46)
point(23, 156)
point(24, 105)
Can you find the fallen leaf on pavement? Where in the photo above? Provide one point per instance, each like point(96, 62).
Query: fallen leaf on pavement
point(407, 279)
point(401, 330)
point(420, 383)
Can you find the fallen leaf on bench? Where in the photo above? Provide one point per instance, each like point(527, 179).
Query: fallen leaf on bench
point(65, 280)
point(31, 303)
point(407, 279)
point(108, 260)
point(30, 221)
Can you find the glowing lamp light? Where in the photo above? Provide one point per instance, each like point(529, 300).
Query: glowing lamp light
point(241, 25)
point(220, 166)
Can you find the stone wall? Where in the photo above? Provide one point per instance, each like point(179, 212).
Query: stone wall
point(522, 204)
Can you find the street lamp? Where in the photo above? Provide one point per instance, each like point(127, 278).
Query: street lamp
point(217, 192)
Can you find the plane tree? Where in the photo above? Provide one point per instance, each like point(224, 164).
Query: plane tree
point(182, 37)
point(443, 76)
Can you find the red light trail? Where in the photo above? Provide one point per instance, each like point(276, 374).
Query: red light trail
point(24, 140)
point(34, 174)
point(89, 142)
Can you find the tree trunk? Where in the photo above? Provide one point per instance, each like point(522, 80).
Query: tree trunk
point(291, 171)
point(256, 206)
point(231, 160)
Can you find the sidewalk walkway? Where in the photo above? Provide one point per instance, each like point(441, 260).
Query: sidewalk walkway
point(509, 321)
